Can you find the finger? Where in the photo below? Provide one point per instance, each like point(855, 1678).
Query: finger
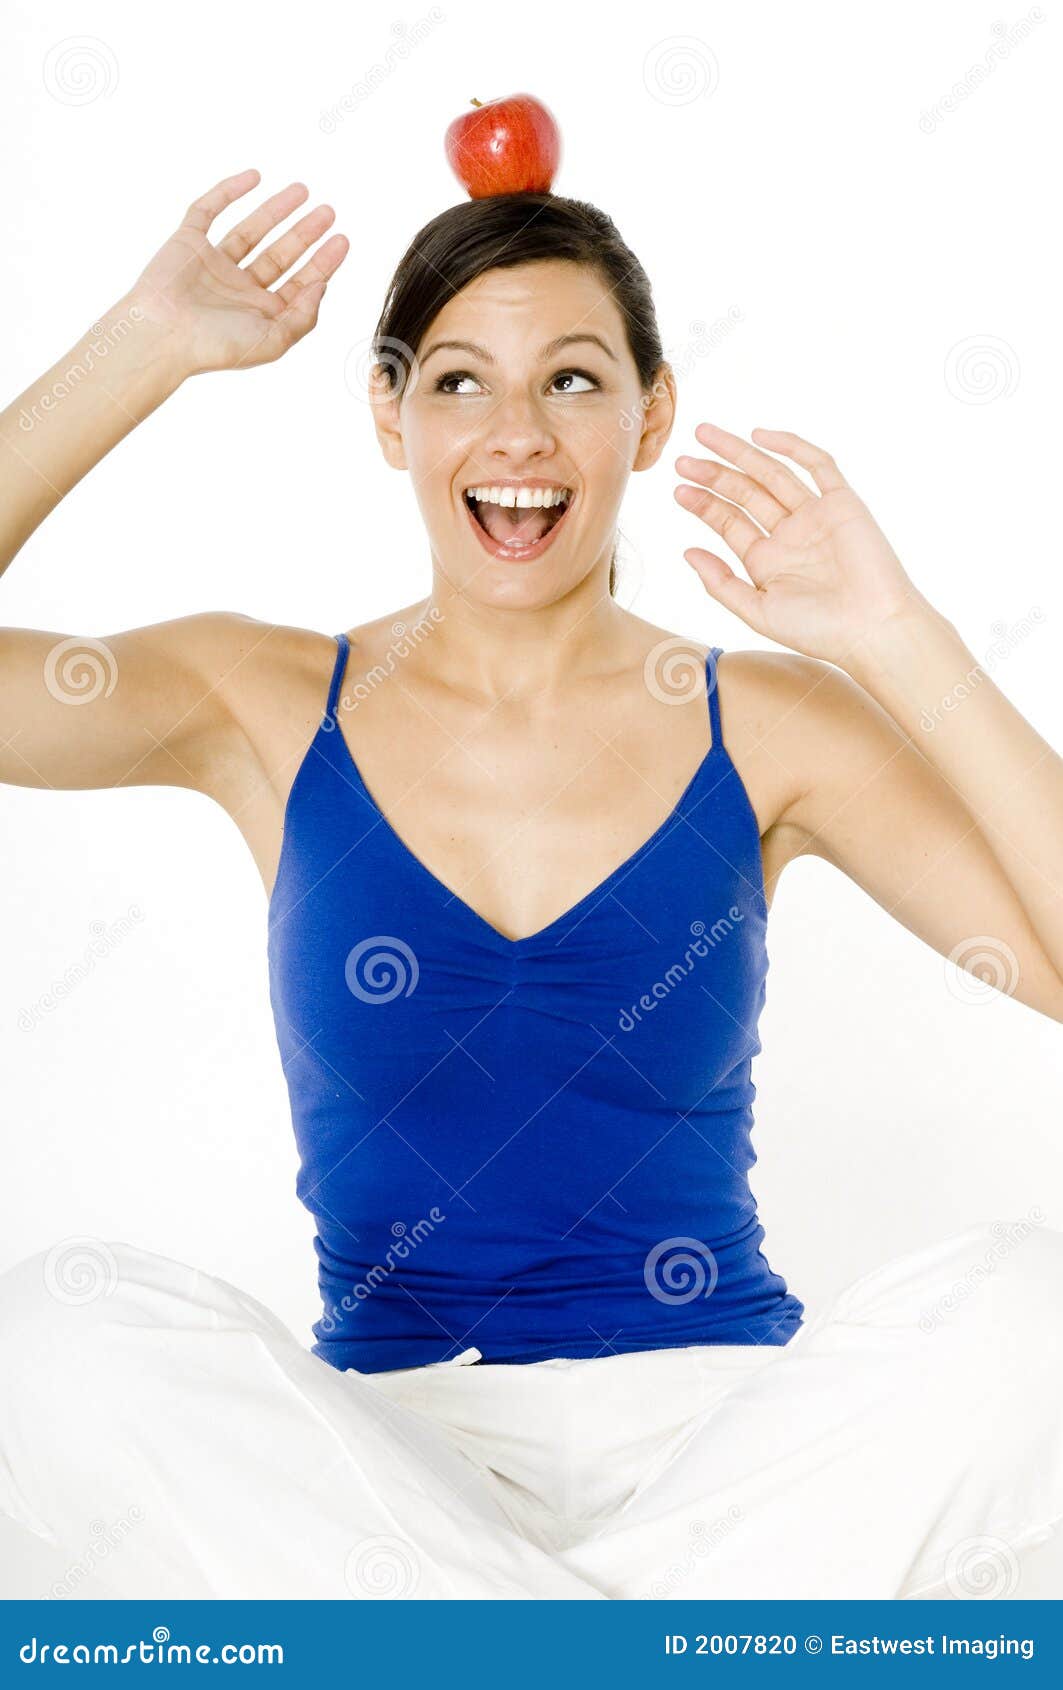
point(291, 324)
point(324, 264)
point(732, 524)
point(254, 228)
point(776, 477)
point(270, 265)
point(820, 465)
point(731, 484)
point(202, 212)
point(726, 587)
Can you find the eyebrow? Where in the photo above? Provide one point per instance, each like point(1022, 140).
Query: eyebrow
point(545, 352)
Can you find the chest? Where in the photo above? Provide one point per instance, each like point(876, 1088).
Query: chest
point(522, 821)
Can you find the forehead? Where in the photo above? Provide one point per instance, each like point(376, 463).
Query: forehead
point(532, 302)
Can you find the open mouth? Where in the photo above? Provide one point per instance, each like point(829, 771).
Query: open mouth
point(517, 523)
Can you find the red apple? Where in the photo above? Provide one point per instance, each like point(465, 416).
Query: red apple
point(510, 146)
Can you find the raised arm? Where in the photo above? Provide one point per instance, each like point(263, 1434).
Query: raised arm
point(915, 774)
point(143, 706)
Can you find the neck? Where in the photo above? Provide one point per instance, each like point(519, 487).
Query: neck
point(500, 650)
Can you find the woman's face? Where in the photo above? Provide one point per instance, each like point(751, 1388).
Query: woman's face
point(526, 392)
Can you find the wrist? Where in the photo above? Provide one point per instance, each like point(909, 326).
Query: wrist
point(138, 340)
point(905, 636)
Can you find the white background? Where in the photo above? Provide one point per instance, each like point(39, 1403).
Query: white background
point(772, 160)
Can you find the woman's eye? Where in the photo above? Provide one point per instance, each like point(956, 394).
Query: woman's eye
point(443, 384)
point(565, 381)
point(574, 376)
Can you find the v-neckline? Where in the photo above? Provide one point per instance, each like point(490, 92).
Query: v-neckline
point(576, 911)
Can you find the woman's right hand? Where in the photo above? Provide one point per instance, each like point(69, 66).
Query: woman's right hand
point(223, 315)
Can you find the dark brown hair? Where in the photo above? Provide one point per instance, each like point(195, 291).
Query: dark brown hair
point(497, 233)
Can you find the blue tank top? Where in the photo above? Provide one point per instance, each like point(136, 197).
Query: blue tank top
point(533, 1147)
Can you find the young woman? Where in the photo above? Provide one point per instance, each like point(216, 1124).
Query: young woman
point(519, 864)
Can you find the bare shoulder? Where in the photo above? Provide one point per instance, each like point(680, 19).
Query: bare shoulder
point(268, 673)
point(265, 685)
point(782, 716)
point(261, 668)
point(275, 680)
point(776, 697)
point(765, 697)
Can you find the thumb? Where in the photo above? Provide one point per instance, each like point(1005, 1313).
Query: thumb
point(721, 582)
point(306, 301)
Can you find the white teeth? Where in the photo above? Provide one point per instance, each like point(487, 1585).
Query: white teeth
point(520, 496)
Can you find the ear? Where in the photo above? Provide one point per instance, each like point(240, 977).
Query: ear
point(385, 405)
point(658, 415)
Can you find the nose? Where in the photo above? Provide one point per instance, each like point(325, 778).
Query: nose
point(517, 429)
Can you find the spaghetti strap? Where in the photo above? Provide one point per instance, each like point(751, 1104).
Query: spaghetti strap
point(713, 690)
point(344, 645)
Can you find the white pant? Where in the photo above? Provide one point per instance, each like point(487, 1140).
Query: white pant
point(907, 1441)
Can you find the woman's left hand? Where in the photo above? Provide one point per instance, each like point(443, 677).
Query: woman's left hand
point(824, 577)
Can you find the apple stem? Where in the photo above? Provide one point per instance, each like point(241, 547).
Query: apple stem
point(476, 102)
